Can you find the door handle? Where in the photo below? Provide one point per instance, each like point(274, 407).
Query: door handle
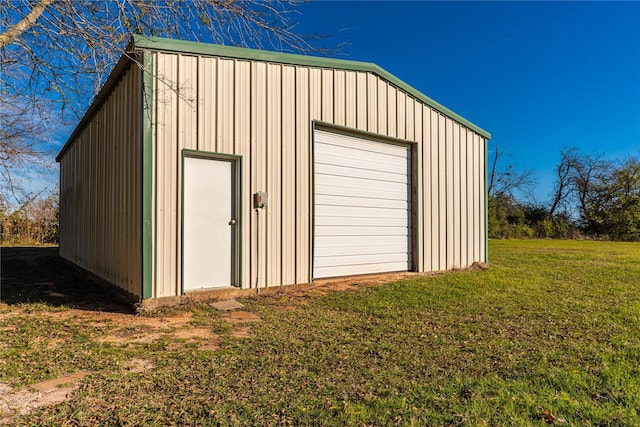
point(232, 222)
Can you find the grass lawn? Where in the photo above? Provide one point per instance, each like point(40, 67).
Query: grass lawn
point(548, 334)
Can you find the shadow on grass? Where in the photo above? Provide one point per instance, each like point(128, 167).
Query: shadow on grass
point(37, 275)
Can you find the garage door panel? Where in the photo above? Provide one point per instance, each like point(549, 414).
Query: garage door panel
point(379, 230)
point(353, 158)
point(363, 212)
point(352, 221)
point(363, 202)
point(363, 259)
point(358, 161)
point(337, 271)
point(362, 206)
point(350, 187)
point(329, 247)
point(335, 155)
point(368, 174)
point(359, 144)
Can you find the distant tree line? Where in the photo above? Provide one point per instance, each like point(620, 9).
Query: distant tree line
point(592, 197)
point(34, 222)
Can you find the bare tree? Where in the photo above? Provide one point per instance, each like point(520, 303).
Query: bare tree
point(576, 176)
point(55, 54)
point(564, 179)
point(505, 180)
point(591, 172)
point(603, 195)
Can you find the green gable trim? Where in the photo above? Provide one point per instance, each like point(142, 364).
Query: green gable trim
point(147, 176)
point(197, 48)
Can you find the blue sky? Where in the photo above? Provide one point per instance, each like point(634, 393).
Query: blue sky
point(539, 76)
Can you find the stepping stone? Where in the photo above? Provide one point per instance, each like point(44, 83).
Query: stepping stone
point(47, 386)
point(227, 305)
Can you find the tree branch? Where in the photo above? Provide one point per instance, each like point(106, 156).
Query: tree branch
point(10, 35)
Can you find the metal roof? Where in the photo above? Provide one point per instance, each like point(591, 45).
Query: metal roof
point(197, 48)
point(141, 43)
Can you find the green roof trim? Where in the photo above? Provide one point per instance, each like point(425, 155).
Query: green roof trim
point(198, 48)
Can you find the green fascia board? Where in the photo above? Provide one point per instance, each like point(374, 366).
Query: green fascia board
point(147, 176)
point(198, 48)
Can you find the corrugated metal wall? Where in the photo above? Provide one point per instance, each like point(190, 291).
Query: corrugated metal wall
point(264, 112)
point(100, 189)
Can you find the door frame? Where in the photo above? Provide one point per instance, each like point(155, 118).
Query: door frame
point(236, 202)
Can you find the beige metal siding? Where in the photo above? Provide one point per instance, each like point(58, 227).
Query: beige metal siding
point(264, 113)
point(100, 189)
point(302, 184)
point(288, 168)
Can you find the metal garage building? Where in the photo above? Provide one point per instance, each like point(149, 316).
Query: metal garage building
point(360, 172)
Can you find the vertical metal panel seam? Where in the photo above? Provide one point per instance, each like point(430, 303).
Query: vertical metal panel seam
point(295, 173)
point(281, 172)
point(249, 163)
point(415, 205)
point(175, 285)
point(333, 101)
point(425, 266)
point(267, 171)
point(197, 103)
point(180, 284)
point(216, 99)
point(463, 192)
point(458, 195)
point(238, 230)
point(366, 93)
point(312, 200)
point(234, 83)
point(263, 226)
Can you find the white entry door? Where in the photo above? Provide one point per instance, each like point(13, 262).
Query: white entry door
point(208, 223)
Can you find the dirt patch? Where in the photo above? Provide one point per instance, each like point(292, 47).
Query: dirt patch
point(478, 266)
point(344, 283)
point(210, 345)
point(243, 317)
point(241, 332)
point(137, 365)
point(193, 334)
point(14, 403)
point(142, 329)
point(51, 385)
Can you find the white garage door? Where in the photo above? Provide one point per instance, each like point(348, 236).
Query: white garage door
point(362, 206)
